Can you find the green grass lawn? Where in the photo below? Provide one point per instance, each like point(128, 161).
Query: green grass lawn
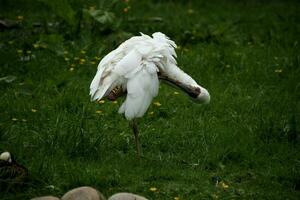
point(246, 53)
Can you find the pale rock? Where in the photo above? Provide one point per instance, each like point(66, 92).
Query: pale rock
point(126, 196)
point(83, 193)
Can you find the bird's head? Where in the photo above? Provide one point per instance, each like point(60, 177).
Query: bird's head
point(6, 156)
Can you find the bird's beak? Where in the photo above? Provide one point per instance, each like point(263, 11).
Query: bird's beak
point(198, 93)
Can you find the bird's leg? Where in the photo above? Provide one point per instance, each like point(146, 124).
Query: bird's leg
point(134, 127)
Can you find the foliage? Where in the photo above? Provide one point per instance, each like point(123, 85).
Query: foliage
point(62, 9)
point(243, 145)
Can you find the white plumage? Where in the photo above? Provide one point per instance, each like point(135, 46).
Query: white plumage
point(136, 66)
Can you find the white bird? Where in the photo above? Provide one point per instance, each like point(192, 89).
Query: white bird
point(134, 69)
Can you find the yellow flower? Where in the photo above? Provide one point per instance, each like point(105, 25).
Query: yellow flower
point(176, 93)
point(36, 46)
point(224, 185)
point(97, 58)
point(176, 198)
point(93, 63)
point(101, 101)
point(92, 7)
point(14, 119)
point(33, 110)
point(115, 102)
point(83, 51)
point(82, 60)
point(20, 17)
point(67, 59)
point(153, 189)
point(190, 11)
point(44, 46)
point(156, 103)
point(125, 10)
point(278, 71)
point(151, 113)
point(20, 51)
point(99, 112)
point(71, 69)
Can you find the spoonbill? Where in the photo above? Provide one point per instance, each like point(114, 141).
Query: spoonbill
point(134, 69)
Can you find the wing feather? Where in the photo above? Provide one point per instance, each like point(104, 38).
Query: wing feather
point(141, 89)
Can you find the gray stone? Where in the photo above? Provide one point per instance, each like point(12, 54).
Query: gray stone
point(83, 193)
point(126, 196)
point(45, 198)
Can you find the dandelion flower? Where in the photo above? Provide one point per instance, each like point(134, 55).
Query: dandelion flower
point(99, 112)
point(224, 185)
point(153, 189)
point(20, 17)
point(125, 10)
point(82, 60)
point(97, 58)
point(176, 198)
point(151, 113)
point(176, 93)
point(92, 8)
point(33, 110)
point(115, 102)
point(101, 101)
point(190, 11)
point(71, 69)
point(156, 103)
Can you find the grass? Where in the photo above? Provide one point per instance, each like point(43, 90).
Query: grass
point(245, 53)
